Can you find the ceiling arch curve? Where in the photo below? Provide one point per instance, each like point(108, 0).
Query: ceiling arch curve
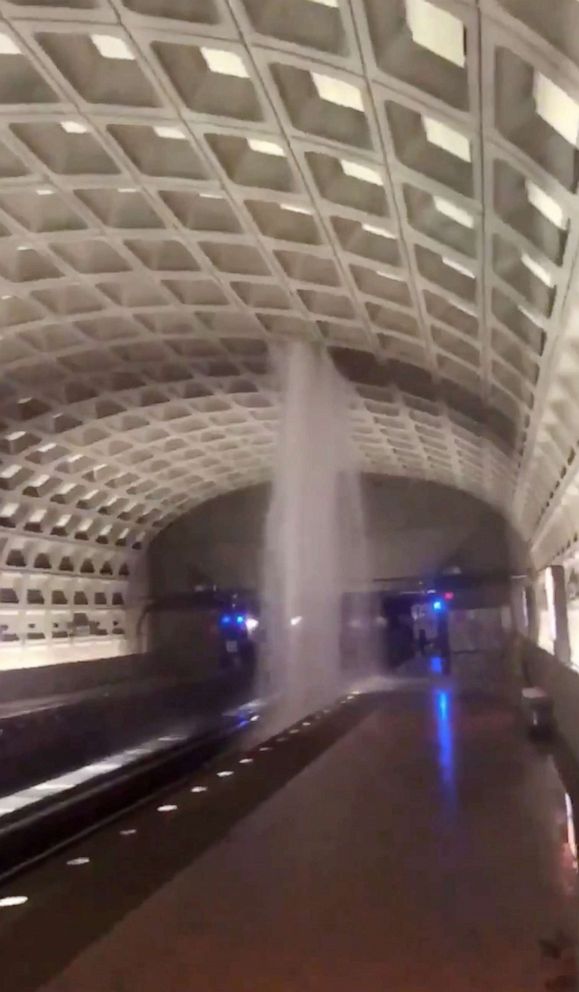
point(185, 182)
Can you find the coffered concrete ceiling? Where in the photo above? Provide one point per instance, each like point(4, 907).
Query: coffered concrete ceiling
point(185, 182)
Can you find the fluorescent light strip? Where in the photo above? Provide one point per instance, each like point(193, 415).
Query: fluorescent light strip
point(169, 132)
point(266, 147)
point(450, 262)
point(363, 172)
point(224, 63)
point(337, 91)
point(296, 208)
point(110, 46)
point(447, 138)
point(546, 205)
point(380, 232)
point(537, 269)
point(74, 127)
point(433, 28)
point(453, 211)
point(556, 107)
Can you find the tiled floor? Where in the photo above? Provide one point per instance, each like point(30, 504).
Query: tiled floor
point(427, 849)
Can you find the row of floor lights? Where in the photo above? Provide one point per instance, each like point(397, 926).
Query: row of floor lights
point(9, 902)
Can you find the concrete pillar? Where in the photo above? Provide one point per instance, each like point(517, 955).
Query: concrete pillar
point(557, 606)
point(519, 607)
point(532, 613)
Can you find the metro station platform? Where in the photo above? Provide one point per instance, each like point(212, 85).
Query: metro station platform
point(410, 840)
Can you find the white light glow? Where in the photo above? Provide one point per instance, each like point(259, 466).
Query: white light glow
point(433, 28)
point(296, 208)
point(266, 147)
point(337, 91)
point(167, 808)
point(225, 63)
point(112, 47)
point(43, 191)
point(381, 232)
point(452, 210)
point(251, 624)
point(77, 862)
point(74, 127)
point(7, 45)
point(447, 138)
point(9, 901)
point(6, 296)
point(225, 774)
point(127, 189)
point(363, 172)
point(556, 108)
point(211, 196)
point(265, 749)
point(23, 248)
point(170, 132)
point(463, 269)
point(546, 205)
point(537, 269)
point(128, 833)
point(246, 761)
point(295, 621)
point(393, 276)
point(327, 3)
point(529, 315)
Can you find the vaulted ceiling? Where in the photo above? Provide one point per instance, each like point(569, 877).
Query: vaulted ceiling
point(184, 183)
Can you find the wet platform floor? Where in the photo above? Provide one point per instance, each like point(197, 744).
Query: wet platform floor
point(423, 844)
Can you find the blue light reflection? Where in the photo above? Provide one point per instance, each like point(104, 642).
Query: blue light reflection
point(445, 736)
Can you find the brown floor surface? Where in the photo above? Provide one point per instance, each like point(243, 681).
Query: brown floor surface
point(427, 849)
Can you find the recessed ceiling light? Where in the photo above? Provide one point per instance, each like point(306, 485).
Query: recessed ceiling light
point(76, 862)
point(167, 808)
point(546, 205)
point(433, 28)
point(6, 296)
point(530, 316)
point(127, 189)
point(246, 761)
point(556, 107)
point(23, 248)
point(199, 788)
point(326, 3)
point(538, 270)
point(337, 91)
point(43, 191)
point(447, 138)
point(224, 774)
point(168, 131)
point(225, 63)
point(211, 196)
point(381, 232)
point(265, 147)
point(74, 127)
point(112, 47)
point(363, 172)
point(9, 901)
point(465, 308)
point(452, 210)
point(463, 269)
point(128, 833)
point(394, 276)
point(7, 45)
point(295, 208)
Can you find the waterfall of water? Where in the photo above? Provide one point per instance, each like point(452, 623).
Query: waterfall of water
point(316, 572)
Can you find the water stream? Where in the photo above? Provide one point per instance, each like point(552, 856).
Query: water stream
point(316, 607)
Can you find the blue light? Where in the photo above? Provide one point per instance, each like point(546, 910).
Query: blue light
point(240, 619)
point(436, 665)
point(225, 620)
point(438, 605)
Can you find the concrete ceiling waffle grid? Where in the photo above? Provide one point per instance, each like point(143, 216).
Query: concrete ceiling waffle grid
point(185, 182)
